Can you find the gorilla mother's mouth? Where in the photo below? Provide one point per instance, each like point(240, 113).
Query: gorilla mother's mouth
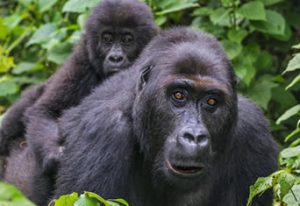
point(185, 169)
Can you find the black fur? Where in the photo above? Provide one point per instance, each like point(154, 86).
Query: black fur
point(13, 127)
point(169, 131)
point(130, 26)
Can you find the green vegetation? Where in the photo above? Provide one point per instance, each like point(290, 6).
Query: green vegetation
point(38, 35)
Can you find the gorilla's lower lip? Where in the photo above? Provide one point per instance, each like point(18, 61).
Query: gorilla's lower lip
point(185, 169)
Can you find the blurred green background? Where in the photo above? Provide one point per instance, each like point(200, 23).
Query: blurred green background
point(261, 37)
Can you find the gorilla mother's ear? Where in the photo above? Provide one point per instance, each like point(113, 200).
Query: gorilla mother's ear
point(144, 77)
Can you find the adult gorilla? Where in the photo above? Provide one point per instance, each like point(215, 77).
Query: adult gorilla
point(170, 131)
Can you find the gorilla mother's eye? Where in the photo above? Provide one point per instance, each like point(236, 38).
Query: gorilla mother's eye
point(179, 97)
point(127, 38)
point(107, 38)
point(211, 101)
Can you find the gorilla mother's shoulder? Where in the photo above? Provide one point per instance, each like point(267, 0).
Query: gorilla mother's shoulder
point(171, 130)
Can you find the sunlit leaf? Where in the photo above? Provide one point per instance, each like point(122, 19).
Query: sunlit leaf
point(262, 184)
point(289, 113)
point(293, 197)
point(290, 152)
point(294, 64)
point(66, 200)
point(11, 196)
point(86, 201)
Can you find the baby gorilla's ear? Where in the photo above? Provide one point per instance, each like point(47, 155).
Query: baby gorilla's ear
point(144, 77)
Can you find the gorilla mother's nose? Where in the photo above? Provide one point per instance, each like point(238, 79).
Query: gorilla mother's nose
point(194, 135)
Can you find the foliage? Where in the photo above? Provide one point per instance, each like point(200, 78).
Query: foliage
point(87, 199)
point(286, 181)
point(37, 36)
point(11, 196)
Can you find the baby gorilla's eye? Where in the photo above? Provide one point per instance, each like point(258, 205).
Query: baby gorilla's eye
point(179, 96)
point(107, 38)
point(211, 102)
point(127, 39)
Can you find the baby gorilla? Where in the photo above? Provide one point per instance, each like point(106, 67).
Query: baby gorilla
point(114, 36)
point(169, 131)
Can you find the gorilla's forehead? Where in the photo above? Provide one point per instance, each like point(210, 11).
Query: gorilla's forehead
point(189, 58)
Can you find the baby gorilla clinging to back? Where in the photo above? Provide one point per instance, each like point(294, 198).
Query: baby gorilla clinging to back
point(114, 36)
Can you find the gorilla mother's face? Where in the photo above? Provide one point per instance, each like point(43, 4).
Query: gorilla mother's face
point(190, 110)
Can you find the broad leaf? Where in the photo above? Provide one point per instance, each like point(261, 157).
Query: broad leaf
point(66, 200)
point(275, 24)
point(79, 6)
point(253, 10)
point(262, 96)
point(59, 53)
point(232, 49)
point(43, 34)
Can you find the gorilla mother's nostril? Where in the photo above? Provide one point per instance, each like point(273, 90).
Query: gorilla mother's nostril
point(116, 58)
point(194, 138)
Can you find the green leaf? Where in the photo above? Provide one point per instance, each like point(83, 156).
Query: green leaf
point(296, 46)
point(95, 196)
point(4, 29)
point(79, 6)
point(290, 152)
point(204, 11)
point(45, 5)
point(6, 62)
point(295, 81)
point(66, 200)
point(121, 201)
point(24, 67)
point(8, 86)
point(25, 2)
point(270, 2)
point(43, 34)
point(232, 49)
point(293, 134)
point(289, 113)
point(177, 6)
point(220, 17)
point(12, 21)
point(293, 197)
point(11, 196)
point(253, 10)
point(262, 96)
point(237, 35)
point(294, 64)
point(286, 182)
point(275, 24)
point(261, 185)
point(84, 200)
point(160, 20)
point(59, 53)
